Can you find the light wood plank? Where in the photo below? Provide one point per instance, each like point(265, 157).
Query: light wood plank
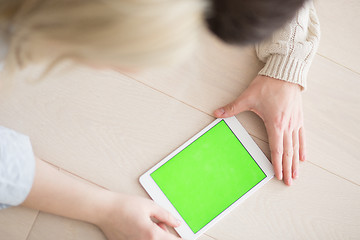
point(57, 115)
point(16, 223)
point(205, 237)
point(309, 211)
point(215, 75)
point(101, 126)
point(48, 226)
point(340, 31)
point(111, 133)
point(332, 115)
point(47, 107)
point(219, 73)
point(317, 206)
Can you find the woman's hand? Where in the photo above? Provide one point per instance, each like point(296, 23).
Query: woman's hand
point(279, 105)
point(127, 217)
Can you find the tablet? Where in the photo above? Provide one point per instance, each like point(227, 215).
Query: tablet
point(208, 176)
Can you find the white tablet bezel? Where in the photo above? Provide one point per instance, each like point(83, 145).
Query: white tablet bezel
point(159, 197)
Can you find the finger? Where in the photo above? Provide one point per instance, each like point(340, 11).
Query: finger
point(276, 149)
point(163, 226)
point(164, 216)
point(287, 157)
point(162, 235)
point(295, 161)
point(302, 144)
point(233, 108)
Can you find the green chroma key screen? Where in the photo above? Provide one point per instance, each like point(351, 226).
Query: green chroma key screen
point(208, 176)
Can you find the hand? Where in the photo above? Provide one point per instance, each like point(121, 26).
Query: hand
point(279, 105)
point(134, 218)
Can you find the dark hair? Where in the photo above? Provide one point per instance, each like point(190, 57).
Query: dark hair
point(250, 21)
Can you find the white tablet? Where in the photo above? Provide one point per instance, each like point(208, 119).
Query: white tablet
point(208, 176)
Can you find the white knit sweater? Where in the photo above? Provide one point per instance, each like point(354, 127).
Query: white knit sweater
point(289, 52)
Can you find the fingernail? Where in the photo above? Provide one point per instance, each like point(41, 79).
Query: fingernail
point(178, 222)
point(288, 181)
point(295, 174)
point(219, 111)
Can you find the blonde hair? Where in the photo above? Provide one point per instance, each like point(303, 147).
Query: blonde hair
point(128, 33)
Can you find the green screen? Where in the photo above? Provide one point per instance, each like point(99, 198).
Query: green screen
point(208, 176)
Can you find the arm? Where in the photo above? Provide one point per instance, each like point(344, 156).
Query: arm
point(289, 52)
point(119, 216)
point(59, 194)
point(42, 187)
point(288, 56)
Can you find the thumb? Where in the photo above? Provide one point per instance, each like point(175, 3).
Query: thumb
point(239, 105)
point(164, 216)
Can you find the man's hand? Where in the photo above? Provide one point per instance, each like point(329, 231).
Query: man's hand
point(279, 104)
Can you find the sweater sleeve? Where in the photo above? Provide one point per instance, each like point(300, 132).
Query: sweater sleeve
point(289, 52)
point(17, 167)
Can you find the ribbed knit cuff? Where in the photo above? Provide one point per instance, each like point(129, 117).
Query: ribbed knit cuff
point(286, 68)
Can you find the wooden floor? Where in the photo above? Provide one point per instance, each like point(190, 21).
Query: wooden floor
point(107, 128)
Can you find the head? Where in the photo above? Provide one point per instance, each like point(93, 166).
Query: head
point(115, 33)
point(250, 21)
point(130, 34)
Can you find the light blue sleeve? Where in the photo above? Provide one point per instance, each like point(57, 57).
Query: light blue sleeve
point(17, 167)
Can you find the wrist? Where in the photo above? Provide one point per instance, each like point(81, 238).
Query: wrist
point(100, 206)
point(105, 204)
point(271, 82)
